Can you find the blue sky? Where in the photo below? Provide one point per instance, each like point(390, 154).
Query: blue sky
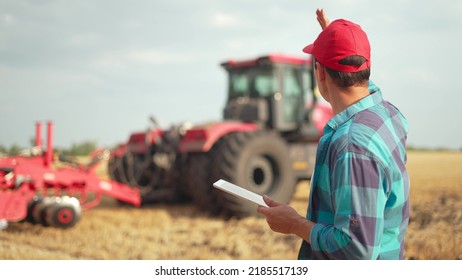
point(98, 69)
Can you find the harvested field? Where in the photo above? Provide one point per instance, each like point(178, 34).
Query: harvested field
point(114, 232)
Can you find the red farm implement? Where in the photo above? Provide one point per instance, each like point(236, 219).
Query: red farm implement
point(32, 189)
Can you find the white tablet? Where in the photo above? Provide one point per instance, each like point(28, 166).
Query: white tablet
point(240, 192)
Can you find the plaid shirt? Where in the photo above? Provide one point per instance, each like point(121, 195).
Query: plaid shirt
point(359, 196)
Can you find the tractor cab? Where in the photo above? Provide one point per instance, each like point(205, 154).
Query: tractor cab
point(272, 91)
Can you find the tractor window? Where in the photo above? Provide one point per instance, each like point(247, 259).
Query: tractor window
point(308, 88)
point(292, 95)
point(252, 82)
point(265, 85)
point(239, 85)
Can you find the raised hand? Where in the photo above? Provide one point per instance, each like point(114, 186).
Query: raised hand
point(322, 19)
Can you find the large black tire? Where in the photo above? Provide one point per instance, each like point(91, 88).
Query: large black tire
point(113, 166)
point(258, 161)
point(31, 208)
point(137, 171)
point(39, 212)
point(141, 172)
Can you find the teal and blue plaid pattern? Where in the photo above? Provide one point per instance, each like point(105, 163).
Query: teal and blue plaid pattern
point(359, 196)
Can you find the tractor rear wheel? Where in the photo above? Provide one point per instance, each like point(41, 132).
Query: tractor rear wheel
point(258, 161)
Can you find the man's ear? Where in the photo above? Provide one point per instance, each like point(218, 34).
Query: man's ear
point(320, 72)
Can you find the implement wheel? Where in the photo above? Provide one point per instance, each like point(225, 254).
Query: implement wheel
point(64, 213)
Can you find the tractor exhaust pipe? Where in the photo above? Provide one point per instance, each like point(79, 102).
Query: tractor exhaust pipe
point(49, 152)
point(38, 134)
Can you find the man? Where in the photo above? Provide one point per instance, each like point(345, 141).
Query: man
point(359, 199)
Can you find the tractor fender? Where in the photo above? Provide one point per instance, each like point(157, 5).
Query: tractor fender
point(202, 138)
point(139, 142)
point(322, 113)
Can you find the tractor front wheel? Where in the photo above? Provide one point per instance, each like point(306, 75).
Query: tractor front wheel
point(257, 161)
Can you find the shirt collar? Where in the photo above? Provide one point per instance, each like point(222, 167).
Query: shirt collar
point(374, 98)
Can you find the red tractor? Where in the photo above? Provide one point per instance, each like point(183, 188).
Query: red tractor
point(266, 141)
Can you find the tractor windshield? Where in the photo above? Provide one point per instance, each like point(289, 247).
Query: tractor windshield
point(252, 83)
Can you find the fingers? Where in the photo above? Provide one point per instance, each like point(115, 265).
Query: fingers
point(322, 19)
point(270, 202)
point(280, 218)
point(319, 12)
point(263, 210)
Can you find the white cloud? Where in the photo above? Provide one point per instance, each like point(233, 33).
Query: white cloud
point(83, 39)
point(153, 56)
point(125, 59)
point(427, 76)
point(234, 45)
point(224, 20)
point(8, 19)
point(110, 60)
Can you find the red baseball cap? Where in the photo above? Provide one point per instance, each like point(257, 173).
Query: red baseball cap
point(340, 39)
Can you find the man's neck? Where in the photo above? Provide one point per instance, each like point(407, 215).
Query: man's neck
point(341, 98)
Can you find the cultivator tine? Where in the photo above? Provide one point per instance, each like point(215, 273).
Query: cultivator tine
point(88, 201)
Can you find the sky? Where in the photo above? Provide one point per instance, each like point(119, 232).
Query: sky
point(98, 69)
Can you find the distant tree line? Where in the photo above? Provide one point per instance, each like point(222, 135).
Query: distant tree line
point(434, 149)
point(78, 149)
point(10, 151)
